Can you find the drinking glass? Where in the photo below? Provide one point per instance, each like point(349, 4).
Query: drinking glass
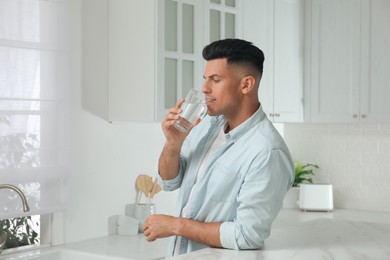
point(194, 107)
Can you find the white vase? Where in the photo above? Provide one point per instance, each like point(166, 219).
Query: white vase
point(142, 211)
point(291, 199)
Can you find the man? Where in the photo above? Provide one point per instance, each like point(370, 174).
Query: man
point(233, 168)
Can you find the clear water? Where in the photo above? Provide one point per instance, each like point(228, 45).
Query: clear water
point(191, 111)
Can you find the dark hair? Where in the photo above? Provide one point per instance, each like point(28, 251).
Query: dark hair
point(236, 51)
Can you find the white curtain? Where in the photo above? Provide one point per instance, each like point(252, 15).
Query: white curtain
point(33, 105)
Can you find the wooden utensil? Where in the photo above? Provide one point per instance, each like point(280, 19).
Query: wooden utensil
point(144, 183)
point(155, 189)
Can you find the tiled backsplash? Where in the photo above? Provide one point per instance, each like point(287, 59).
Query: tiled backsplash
point(355, 158)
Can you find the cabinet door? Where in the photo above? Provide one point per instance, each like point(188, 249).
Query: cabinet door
point(131, 52)
point(276, 27)
point(258, 28)
point(179, 48)
point(288, 60)
point(184, 28)
point(375, 53)
point(118, 64)
point(333, 63)
point(222, 19)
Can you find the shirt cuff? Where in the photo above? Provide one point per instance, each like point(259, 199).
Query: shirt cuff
point(231, 237)
point(169, 185)
point(228, 236)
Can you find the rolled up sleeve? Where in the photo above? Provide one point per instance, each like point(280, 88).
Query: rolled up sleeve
point(175, 183)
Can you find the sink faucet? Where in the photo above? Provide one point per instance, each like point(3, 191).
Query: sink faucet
point(3, 234)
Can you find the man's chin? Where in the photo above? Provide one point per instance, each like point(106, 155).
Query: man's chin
point(212, 113)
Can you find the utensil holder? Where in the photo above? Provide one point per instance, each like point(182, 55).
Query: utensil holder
point(140, 211)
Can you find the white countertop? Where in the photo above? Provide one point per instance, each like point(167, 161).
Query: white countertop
point(316, 239)
point(341, 234)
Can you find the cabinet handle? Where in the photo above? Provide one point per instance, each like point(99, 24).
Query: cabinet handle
point(354, 115)
point(277, 115)
point(364, 116)
point(271, 114)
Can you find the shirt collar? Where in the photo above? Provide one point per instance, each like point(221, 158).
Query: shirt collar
point(241, 129)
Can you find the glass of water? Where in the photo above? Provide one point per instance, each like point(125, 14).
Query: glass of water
point(194, 107)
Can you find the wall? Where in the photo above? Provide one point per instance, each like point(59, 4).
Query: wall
point(106, 158)
point(353, 157)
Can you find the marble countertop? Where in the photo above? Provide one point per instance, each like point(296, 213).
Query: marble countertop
point(315, 239)
point(341, 234)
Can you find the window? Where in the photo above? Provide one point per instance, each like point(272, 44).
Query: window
point(33, 107)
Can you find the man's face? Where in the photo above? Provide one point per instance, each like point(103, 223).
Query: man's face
point(222, 88)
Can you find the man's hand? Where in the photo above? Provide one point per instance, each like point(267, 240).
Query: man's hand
point(171, 133)
point(159, 226)
point(168, 165)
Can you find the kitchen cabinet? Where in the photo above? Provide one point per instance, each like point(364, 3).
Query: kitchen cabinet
point(131, 40)
point(118, 59)
point(288, 60)
point(277, 27)
point(347, 61)
point(141, 56)
point(184, 28)
point(375, 61)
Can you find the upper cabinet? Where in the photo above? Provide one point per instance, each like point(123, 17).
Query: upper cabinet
point(132, 69)
point(141, 56)
point(277, 27)
point(288, 60)
point(347, 62)
point(118, 59)
point(375, 61)
point(178, 51)
point(184, 28)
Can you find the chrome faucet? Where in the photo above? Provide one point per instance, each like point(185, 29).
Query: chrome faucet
point(3, 234)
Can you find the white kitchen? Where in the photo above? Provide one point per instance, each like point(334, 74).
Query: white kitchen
point(128, 61)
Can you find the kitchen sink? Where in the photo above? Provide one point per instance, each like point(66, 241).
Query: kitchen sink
point(61, 254)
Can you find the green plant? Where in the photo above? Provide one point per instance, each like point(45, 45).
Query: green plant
point(21, 231)
point(304, 172)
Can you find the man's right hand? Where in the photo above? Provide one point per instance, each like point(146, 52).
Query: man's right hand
point(172, 134)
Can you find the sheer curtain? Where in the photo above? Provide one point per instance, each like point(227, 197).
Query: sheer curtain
point(33, 105)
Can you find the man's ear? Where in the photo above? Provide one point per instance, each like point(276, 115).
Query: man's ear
point(247, 84)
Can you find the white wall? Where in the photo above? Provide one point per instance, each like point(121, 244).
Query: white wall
point(355, 158)
point(106, 158)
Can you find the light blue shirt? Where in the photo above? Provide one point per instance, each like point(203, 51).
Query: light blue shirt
point(243, 185)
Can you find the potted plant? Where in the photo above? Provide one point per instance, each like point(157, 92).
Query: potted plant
point(303, 174)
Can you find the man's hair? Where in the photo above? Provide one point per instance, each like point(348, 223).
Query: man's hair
point(236, 51)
